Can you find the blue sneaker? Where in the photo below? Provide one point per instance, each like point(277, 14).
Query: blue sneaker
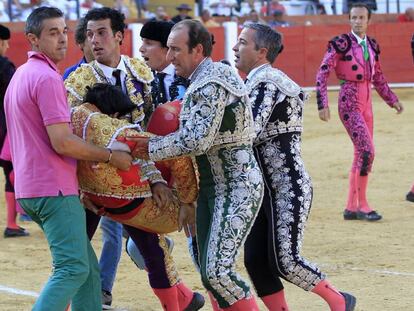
point(25, 217)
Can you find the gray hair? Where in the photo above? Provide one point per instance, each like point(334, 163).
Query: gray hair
point(34, 23)
point(266, 37)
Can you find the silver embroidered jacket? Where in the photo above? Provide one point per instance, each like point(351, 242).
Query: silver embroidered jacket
point(277, 103)
point(215, 113)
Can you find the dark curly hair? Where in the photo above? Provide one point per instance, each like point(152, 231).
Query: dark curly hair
point(80, 32)
point(117, 18)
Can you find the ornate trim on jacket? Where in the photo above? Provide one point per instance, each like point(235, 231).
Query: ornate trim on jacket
point(219, 73)
point(215, 112)
point(89, 74)
point(375, 47)
point(342, 43)
point(101, 130)
point(271, 89)
point(277, 77)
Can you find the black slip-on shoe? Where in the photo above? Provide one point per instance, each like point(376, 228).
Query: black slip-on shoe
point(410, 196)
point(349, 215)
point(350, 301)
point(14, 233)
point(371, 216)
point(196, 303)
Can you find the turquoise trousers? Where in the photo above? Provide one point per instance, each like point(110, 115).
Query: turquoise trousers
point(75, 277)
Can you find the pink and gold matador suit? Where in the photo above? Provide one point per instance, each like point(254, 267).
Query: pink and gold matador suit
point(125, 196)
point(116, 191)
point(357, 71)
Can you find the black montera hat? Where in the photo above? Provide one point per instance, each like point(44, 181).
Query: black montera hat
point(183, 7)
point(157, 31)
point(4, 33)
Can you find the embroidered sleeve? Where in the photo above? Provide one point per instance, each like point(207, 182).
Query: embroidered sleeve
point(185, 179)
point(150, 172)
point(73, 100)
point(200, 121)
point(328, 63)
point(264, 97)
point(148, 102)
point(382, 87)
point(148, 169)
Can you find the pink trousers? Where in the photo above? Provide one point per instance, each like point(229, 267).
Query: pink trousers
point(355, 111)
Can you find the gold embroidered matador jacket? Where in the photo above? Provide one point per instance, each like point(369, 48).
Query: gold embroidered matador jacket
point(117, 191)
point(138, 89)
point(137, 85)
point(105, 180)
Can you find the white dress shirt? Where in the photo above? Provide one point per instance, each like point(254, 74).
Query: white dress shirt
point(109, 70)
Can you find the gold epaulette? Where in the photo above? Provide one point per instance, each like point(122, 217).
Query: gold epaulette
point(139, 69)
point(77, 82)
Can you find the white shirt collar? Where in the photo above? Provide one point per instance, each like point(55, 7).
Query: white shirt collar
point(359, 39)
point(169, 70)
point(108, 70)
point(252, 72)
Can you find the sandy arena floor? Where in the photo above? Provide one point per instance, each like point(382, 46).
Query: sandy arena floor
point(374, 261)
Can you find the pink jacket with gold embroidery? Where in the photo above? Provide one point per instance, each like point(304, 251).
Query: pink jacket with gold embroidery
point(346, 57)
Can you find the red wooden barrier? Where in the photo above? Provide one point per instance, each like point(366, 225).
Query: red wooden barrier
point(218, 47)
point(304, 49)
point(19, 46)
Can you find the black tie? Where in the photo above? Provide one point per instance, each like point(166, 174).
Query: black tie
point(161, 85)
point(117, 74)
point(245, 80)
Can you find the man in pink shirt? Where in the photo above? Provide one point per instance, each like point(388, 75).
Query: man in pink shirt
point(44, 152)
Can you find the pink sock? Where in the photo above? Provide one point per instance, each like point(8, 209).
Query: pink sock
point(168, 298)
point(412, 188)
point(276, 301)
point(214, 302)
point(184, 295)
point(11, 210)
point(246, 304)
point(352, 203)
point(362, 194)
point(329, 293)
